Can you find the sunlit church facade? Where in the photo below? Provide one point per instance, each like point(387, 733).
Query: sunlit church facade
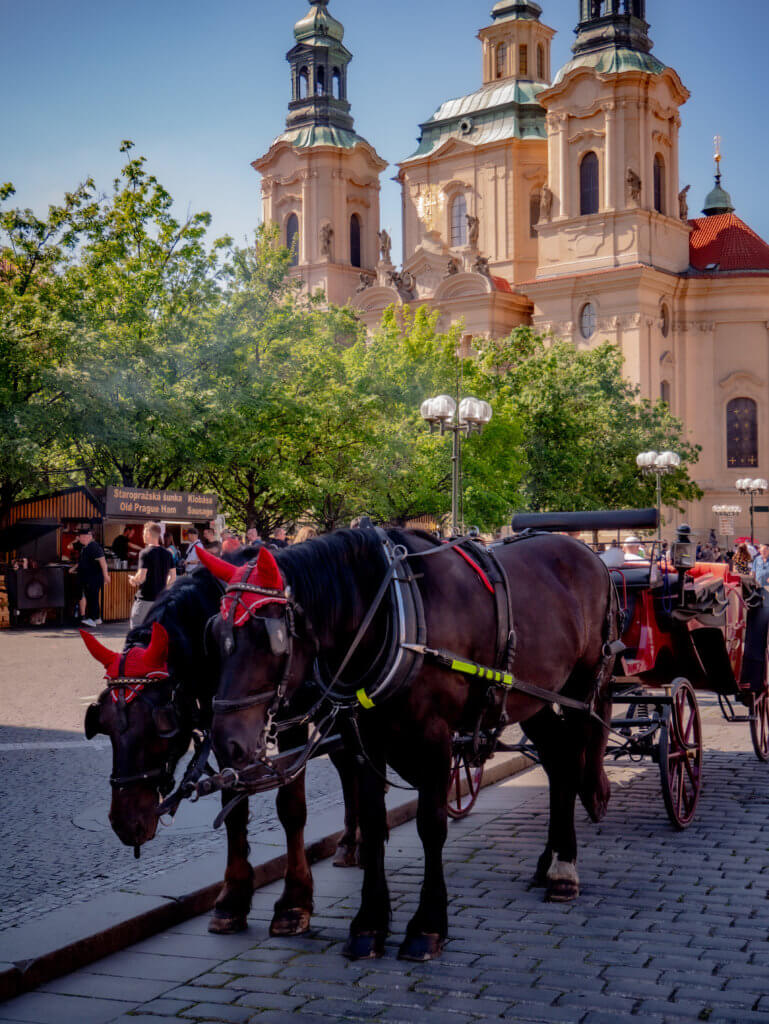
point(550, 198)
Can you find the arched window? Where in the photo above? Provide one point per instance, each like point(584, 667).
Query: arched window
point(320, 82)
point(534, 212)
point(304, 83)
point(588, 321)
point(588, 184)
point(659, 184)
point(741, 433)
point(292, 238)
point(501, 60)
point(355, 258)
point(459, 221)
point(523, 59)
point(665, 321)
point(541, 62)
point(337, 78)
point(665, 391)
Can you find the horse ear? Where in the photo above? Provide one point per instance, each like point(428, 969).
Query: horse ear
point(267, 570)
point(217, 566)
point(157, 653)
point(98, 650)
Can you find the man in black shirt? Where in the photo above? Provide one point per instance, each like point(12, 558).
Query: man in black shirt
point(91, 570)
point(122, 545)
point(154, 573)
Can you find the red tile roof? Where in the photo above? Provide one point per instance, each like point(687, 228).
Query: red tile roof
point(726, 243)
point(502, 284)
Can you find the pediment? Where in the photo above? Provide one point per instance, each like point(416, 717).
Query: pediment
point(376, 299)
point(461, 286)
point(741, 378)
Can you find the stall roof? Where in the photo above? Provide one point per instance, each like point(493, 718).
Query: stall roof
point(24, 531)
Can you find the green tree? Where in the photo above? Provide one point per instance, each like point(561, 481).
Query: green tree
point(583, 425)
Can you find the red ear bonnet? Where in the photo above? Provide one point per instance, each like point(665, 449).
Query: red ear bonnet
point(155, 656)
point(98, 650)
point(139, 662)
point(224, 571)
point(265, 575)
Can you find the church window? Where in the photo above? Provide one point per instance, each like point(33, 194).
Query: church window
point(741, 433)
point(659, 184)
point(523, 59)
point(588, 184)
point(665, 391)
point(337, 83)
point(665, 318)
point(541, 62)
point(588, 321)
point(459, 221)
point(292, 238)
point(501, 60)
point(534, 212)
point(304, 83)
point(320, 82)
point(355, 253)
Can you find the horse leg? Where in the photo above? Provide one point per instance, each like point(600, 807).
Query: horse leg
point(234, 901)
point(557, 867)
point(427, 930)
point(294, 908)
point(347, 854)
point(370, 925)
point(595, 788)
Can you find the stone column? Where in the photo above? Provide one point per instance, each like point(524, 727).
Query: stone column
point(563, 167)
point(674, 185)
point(610, 198)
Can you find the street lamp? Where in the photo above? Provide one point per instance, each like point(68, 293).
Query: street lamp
point(659, 463)
point(470, 417)
point(752, 487)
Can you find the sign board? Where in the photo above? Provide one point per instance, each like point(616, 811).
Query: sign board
point(726, 526)
point(137, 503)
point(761, 508)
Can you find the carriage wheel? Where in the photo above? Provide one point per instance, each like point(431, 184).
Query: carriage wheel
point(681, 755)
point(759, 724)
point(460, 803)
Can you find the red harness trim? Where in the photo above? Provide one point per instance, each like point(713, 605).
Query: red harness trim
point(484, 578)
point(132, 690)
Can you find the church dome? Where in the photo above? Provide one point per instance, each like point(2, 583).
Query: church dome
point(613, 62)
point(718, 201)
point(318, 24)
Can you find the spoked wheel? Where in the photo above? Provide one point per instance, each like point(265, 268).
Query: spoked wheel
point(759, 724)
point(681, 754)
point(464, 784)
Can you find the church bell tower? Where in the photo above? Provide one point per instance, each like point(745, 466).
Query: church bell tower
point(320, 179)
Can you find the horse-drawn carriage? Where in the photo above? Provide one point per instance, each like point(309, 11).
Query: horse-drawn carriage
point(686, 626)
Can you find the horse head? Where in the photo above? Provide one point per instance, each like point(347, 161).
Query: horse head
point(149, 725)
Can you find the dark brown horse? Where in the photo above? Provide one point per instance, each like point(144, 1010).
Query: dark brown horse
point(159, 692)
point(563, 609)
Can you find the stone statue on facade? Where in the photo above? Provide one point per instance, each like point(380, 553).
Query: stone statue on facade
point(481, 266)
point(366, 281)
point(545, 203)
point(634, 184)
point(473, 230)
point(683, 203)
point(453, 266)
point(385, 245)
point(403, 282)
point(326, 238)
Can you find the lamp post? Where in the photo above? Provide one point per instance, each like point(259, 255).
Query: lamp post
point(752, 487)
point(470, 417)
point(659, 463)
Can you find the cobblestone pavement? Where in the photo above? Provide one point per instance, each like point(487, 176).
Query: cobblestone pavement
point(669, 926)
point(56, 846)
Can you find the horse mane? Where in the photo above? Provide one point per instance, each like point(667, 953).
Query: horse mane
point(334, 577)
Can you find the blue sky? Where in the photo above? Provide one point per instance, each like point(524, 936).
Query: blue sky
point(202, 87)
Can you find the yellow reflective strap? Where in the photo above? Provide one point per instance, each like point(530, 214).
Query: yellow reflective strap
point(464, 666)
point(364, 699)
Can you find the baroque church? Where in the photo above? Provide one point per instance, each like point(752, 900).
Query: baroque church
point(543, 198)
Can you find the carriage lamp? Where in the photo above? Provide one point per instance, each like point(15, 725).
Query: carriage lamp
point(659, 463)
point(470, 416)
point(752, 487)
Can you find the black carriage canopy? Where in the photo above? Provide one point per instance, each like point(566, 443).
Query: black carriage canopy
point(555, 522)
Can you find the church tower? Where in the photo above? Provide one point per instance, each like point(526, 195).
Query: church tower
point(613, 124)
point(320, 180)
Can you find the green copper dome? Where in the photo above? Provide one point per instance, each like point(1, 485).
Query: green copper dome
point(318, 24)
point(516, 10)
point(718, 201)
point(613, 62)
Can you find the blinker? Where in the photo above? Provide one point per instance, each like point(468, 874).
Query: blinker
point(278, 634)
point(166, 722)
point(92, 721)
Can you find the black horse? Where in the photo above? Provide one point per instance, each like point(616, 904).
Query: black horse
point(564, 614)
point(167, 681)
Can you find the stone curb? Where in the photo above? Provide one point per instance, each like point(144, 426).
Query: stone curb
point(74, 937)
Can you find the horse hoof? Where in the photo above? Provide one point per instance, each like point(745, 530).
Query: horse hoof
point(223, 925)
point(346, 857)
point(421, 947)
point(290, 922)
point(365, 946)
point(561, 891)
point(596, 800)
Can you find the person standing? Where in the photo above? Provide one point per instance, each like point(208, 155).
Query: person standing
point(761, 566)
point(278, 538)
point(252, 535)
point(154, 573)
point(92, 575)
point(191, 557)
